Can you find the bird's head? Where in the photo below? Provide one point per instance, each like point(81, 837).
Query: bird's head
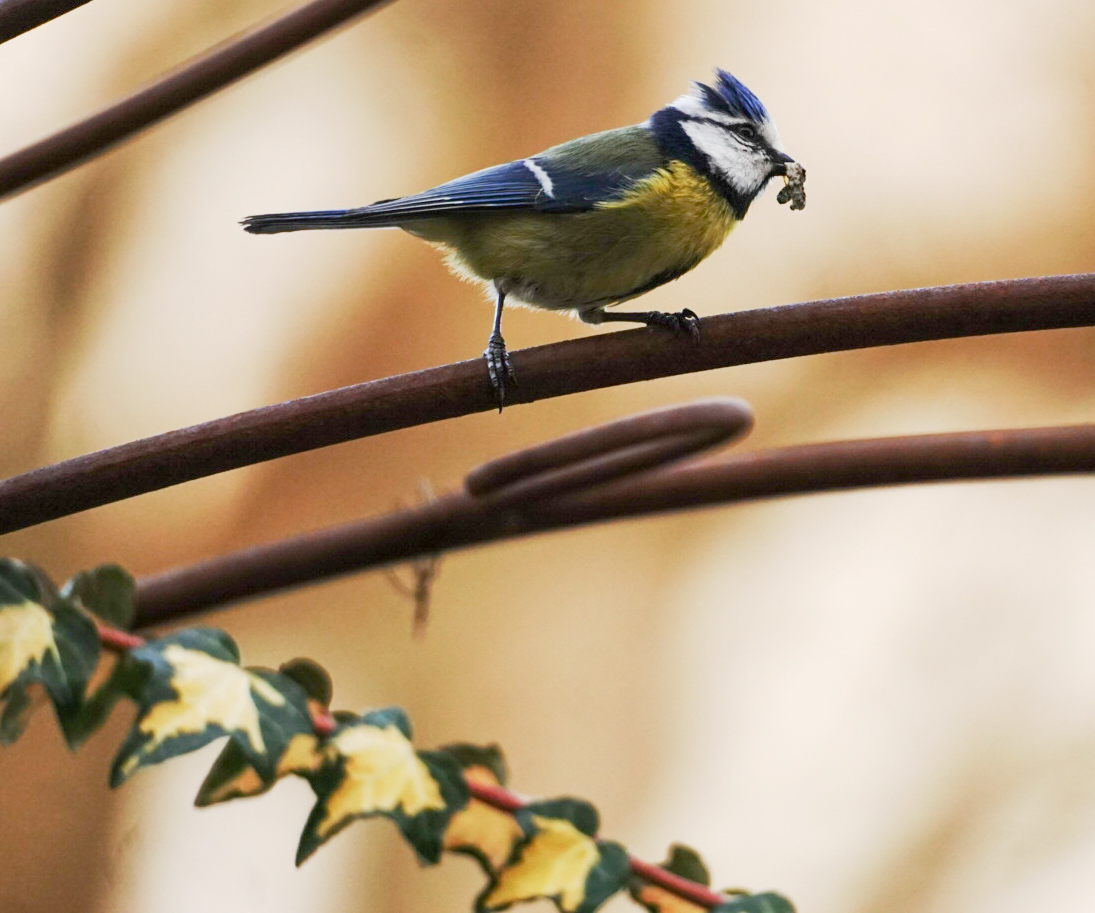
point(725, 133)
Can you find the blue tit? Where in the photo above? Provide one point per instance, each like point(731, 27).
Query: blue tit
point(598, 220)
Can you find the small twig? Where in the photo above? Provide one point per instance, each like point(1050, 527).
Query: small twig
point(590, 363)
point(19, 16)
point(460, 520)
point(424, 572)
point(205, 75)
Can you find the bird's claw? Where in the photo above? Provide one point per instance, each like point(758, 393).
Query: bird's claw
point(680, 322)
point(499, 368)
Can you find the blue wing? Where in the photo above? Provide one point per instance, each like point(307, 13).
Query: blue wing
point(573, 177)
point(517, 185)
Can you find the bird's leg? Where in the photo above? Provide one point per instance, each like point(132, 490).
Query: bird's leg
point(684, 321)
point(498, 365)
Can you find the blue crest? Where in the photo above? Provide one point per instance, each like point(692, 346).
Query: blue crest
point(732, 97)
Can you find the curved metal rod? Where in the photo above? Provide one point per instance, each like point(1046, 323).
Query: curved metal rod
point(96, 134)
point(461, 519)
point(449, 391)
point(19, 16)
point(603, 454)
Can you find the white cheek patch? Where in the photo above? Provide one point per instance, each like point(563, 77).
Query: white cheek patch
point(744, 169)
point(542, 176)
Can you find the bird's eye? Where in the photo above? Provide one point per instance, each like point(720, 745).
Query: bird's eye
point(745, 131)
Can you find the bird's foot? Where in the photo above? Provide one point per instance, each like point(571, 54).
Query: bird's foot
point(680, 322)
point(499, 368)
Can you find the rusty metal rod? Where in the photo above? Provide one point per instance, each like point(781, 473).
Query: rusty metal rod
point(19, 16)
point(201, 77)
point(460, 520)
point(746, 337)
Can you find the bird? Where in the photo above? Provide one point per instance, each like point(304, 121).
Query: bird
point(595, 221)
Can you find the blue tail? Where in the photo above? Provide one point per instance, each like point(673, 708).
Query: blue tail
point(273, 222)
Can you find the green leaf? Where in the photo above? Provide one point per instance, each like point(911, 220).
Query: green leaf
point(372, 769)
point(312, 677)
point(44, 640)
point(560, 859)
point(479, 830)
point(683, 861)
point(190, 690)
point(233, 776)
point(82, 721)
point(488, 757)
point(18, 705)
point(29, 580)
point(107, 592)
point(768, 902)
point(686, 862)
point(578, 812)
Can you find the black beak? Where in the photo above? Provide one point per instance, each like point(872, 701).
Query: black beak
point(780, 160)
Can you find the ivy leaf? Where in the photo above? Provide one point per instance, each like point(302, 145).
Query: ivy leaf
point(768, 902)
point(560, 859)
point(18, 705)
point(486, 833)
point(44, 641)
point(233, 776)
point(312, 677)
point(190, 690)
point(107, 592)
point(683, 861)
point(372, 769)
point(486, 758)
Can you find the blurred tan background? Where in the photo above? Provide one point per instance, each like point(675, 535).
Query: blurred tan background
point(872, 701)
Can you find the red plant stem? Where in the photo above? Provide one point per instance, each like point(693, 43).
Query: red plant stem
point(96, 134)
point(118, 641)
point(501, 798)
point(322, 720)
point(594, 362)
point(690, 890)
point(496, 796)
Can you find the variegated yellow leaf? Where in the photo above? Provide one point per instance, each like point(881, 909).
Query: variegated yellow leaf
point(556, 862)
point(26, 637)
point(234, 777)
point(191, 690)
point(487, 833)
point(561, 859)
point(373, 769)
point(209, 690)
point(382, 772)
point(44, 640)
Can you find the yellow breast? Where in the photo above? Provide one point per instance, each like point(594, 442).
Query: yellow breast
point(661, 229)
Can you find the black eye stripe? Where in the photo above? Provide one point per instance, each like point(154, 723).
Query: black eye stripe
point(731, 128)
point(720, 123)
